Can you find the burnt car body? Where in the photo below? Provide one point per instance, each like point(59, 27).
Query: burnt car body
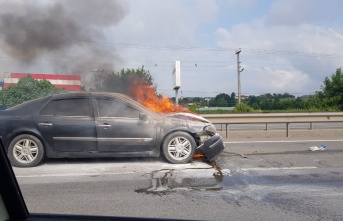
point(83, 125)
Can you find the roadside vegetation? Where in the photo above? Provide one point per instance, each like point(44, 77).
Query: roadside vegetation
point(328, 98)
point(26, 89)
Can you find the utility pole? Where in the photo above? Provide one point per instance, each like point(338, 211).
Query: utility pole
point(239, 75)
point(98, 78)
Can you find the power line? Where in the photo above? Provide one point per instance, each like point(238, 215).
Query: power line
point(110, 44)
point(246, 93)
point(293, 53)
point(201, 68)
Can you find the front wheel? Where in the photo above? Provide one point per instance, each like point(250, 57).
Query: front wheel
point(179, 147)
point(25, 151)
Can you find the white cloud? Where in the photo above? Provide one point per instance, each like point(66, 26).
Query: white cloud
point(297, 57)
point(281, 80)
point(164, 22)
point(245, 3)
point(294, 12)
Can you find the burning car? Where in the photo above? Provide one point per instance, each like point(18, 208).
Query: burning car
point(83, 125)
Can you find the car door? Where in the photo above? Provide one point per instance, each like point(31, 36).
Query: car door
point(120, 129)
point(68, 125)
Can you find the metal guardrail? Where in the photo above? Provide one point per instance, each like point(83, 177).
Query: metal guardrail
point(265, 118)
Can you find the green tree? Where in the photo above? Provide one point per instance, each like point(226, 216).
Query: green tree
point(275, 101)
point(221, 102)
point(331, 96)
point(232, 101)
point(134, 73)
point(26, 89)
point(254, 102)
point(220, 98)
point(212, 103)
point(233, 95)
point(121, 81)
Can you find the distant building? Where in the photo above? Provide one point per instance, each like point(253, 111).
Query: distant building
point(1, 85)
point(68, 82)
point(243, 97)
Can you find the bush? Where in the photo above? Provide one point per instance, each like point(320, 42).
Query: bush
point(243, 108)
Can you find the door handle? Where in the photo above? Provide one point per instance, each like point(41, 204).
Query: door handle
point(105, 125)
point(45, 124)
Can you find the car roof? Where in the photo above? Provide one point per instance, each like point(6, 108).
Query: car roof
point(81, 94)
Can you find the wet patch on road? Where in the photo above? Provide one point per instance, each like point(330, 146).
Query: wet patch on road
point(170, 181)
point(237, 185)
point(214, 178)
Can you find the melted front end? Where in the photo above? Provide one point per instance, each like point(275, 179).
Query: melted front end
point(210, 143)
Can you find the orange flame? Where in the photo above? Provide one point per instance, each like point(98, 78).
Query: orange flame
point(146, 95)
point(199, 156)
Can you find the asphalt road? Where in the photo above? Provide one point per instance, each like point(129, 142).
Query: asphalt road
point(251, 180)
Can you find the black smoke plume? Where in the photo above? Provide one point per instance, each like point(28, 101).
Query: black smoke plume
point(67, 34)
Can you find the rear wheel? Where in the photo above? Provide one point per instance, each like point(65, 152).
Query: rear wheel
point(25, 151)
point(179, 147)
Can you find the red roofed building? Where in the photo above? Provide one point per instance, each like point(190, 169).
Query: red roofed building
point(68, 82)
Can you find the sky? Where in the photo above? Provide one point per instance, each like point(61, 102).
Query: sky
point(286, 45)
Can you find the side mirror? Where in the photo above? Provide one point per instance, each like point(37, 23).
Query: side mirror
point(143, 116)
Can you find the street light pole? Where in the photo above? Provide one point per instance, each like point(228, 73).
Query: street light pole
point(239, 75)
point(177, 81)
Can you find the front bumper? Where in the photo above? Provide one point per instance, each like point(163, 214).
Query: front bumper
point(212, 147)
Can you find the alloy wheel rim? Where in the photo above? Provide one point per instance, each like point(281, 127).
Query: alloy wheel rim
point(25, 151)
point(179, 148)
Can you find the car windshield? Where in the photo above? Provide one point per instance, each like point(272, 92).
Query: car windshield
point(174, 109)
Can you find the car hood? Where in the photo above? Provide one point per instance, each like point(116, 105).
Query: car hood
point(193, 122)
point(189, 117)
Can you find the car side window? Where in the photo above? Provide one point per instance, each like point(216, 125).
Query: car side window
point(115, 108)
point(72, 107)
point(48, 110)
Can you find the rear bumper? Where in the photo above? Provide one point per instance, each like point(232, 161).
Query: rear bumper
point(212, 147)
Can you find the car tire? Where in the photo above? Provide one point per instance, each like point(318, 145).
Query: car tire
point(25, 150)
point(179, 147)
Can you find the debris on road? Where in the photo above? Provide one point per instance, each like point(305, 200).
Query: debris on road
point(315, 148)
point(322, 147)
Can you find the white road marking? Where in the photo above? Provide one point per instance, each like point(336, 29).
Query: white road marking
point(96, 172)
point(75, 174)
point(281, 141)
point(276, 168)
point(144, 172)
